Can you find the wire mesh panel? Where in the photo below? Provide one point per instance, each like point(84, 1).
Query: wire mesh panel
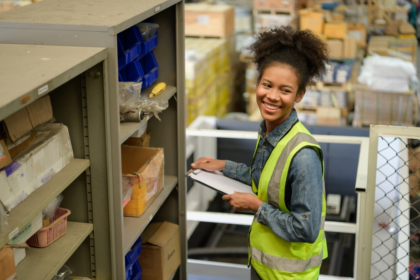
point(396, 213)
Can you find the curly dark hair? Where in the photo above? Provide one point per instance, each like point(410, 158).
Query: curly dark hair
point(301, 50)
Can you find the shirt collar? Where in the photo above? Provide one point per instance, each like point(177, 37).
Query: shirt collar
point(274, 136)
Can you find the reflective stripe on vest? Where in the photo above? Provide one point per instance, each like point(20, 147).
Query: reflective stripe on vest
point(271, 255)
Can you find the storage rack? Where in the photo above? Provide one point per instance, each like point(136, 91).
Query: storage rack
point(74, 78)
point(96, 24)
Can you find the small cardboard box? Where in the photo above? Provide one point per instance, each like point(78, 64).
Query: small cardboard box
point(26, 119)
point(285, 5)
point(335, 48)
point(7, 264)
point(143, 141)
point(328, 116)
point(358, 31)
point(161, 252)
point(209, 20)
point(311, 20)
point(335, 30)
point(5, 158)
point(350, 47)
point(142, 169)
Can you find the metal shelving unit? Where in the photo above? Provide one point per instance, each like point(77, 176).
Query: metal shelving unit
point(78, 101)
point(96, 24)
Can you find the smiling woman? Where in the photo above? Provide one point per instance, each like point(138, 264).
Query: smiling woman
point(286, 239)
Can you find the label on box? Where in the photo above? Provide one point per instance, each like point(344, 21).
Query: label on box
point(355, 34)
point(2, 154)
point(203, 19)
point(43, 89)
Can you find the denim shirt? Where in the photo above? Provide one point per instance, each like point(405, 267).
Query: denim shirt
point(303, 192)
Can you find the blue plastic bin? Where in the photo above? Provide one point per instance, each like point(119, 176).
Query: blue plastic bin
point(150, 44)
point(128, 272)
point(130, 43)
point(137, 272)
point(132, 256)
point(150, 69)
point(330, 6)
point(133, 72)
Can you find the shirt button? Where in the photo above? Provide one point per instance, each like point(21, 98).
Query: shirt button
point(265, 144)
point(261, 168)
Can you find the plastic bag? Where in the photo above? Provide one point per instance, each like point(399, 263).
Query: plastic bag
point(151, 106)
point(128, 185)
point(63, 273)
point(147, 29)
point(51, 208)
point(129, 93)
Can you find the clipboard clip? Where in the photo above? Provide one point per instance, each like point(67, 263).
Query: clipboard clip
point(191, 171)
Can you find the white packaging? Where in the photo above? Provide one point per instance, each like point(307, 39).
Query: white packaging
point(21, 236)
point(50, 152)
point(19, 254)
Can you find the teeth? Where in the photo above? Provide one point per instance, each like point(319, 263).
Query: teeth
point(271, 107)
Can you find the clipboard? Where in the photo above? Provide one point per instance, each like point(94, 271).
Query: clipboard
point(218, 182)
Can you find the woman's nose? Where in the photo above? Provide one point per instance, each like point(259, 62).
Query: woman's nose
point(273, 94)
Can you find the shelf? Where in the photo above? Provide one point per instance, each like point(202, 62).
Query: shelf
point(22, 214)
point(134, 226)
point(44, 263)
point(106, 16)
point(128, 128)
point(43, 68)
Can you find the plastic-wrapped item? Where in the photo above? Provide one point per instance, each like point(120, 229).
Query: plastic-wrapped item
point(147, 29)
point(151, 106)
point(63, 273)
point(51, 208)
point(3, 218)
point(128, 184)
point(129, 93)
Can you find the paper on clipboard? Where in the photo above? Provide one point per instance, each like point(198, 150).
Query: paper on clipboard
point(219, 182)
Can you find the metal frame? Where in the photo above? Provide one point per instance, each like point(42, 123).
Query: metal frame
point(208, 131)
point(366, 232)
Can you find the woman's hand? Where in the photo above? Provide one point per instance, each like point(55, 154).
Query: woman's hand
point(243, 201)
point(209, 164)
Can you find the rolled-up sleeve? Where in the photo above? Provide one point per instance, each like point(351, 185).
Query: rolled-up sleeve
point(304, 221)
point(237, 171)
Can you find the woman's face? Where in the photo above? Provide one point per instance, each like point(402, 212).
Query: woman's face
point(276, 94)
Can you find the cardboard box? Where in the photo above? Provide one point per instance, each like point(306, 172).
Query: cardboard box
point(19, 255)
point(350, 47)
point(335, 48)
point(5, 158)
point(143, 170)
point(19, 237)
point(24, 120)
point(414, 183)
point(335, 30)
point(264, 21)
point(311, 20)
point(414, 159)
point(358, 31)
point(50, 152)
point(337, 17)
point(284, 5)
point(328, 116)
point(161, 252)
point(391, 29)
point(209, 20)
point(7, 264)
point(143, 141)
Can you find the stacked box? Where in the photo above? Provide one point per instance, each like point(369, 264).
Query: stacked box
point(405, 49)
point(208, 62)
point(383, 108)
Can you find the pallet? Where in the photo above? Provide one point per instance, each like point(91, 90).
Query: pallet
point(274, 12)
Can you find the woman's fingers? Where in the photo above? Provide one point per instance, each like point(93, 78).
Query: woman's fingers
point(226, 197)
point(208, 164)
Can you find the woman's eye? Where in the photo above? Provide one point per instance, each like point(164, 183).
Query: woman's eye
point(266, 85)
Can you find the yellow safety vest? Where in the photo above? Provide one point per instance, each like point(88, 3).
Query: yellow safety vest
point(271, 256)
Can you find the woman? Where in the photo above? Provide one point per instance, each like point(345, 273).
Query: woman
point(286, 239)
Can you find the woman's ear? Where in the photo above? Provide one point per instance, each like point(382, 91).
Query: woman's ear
point(300, 95)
